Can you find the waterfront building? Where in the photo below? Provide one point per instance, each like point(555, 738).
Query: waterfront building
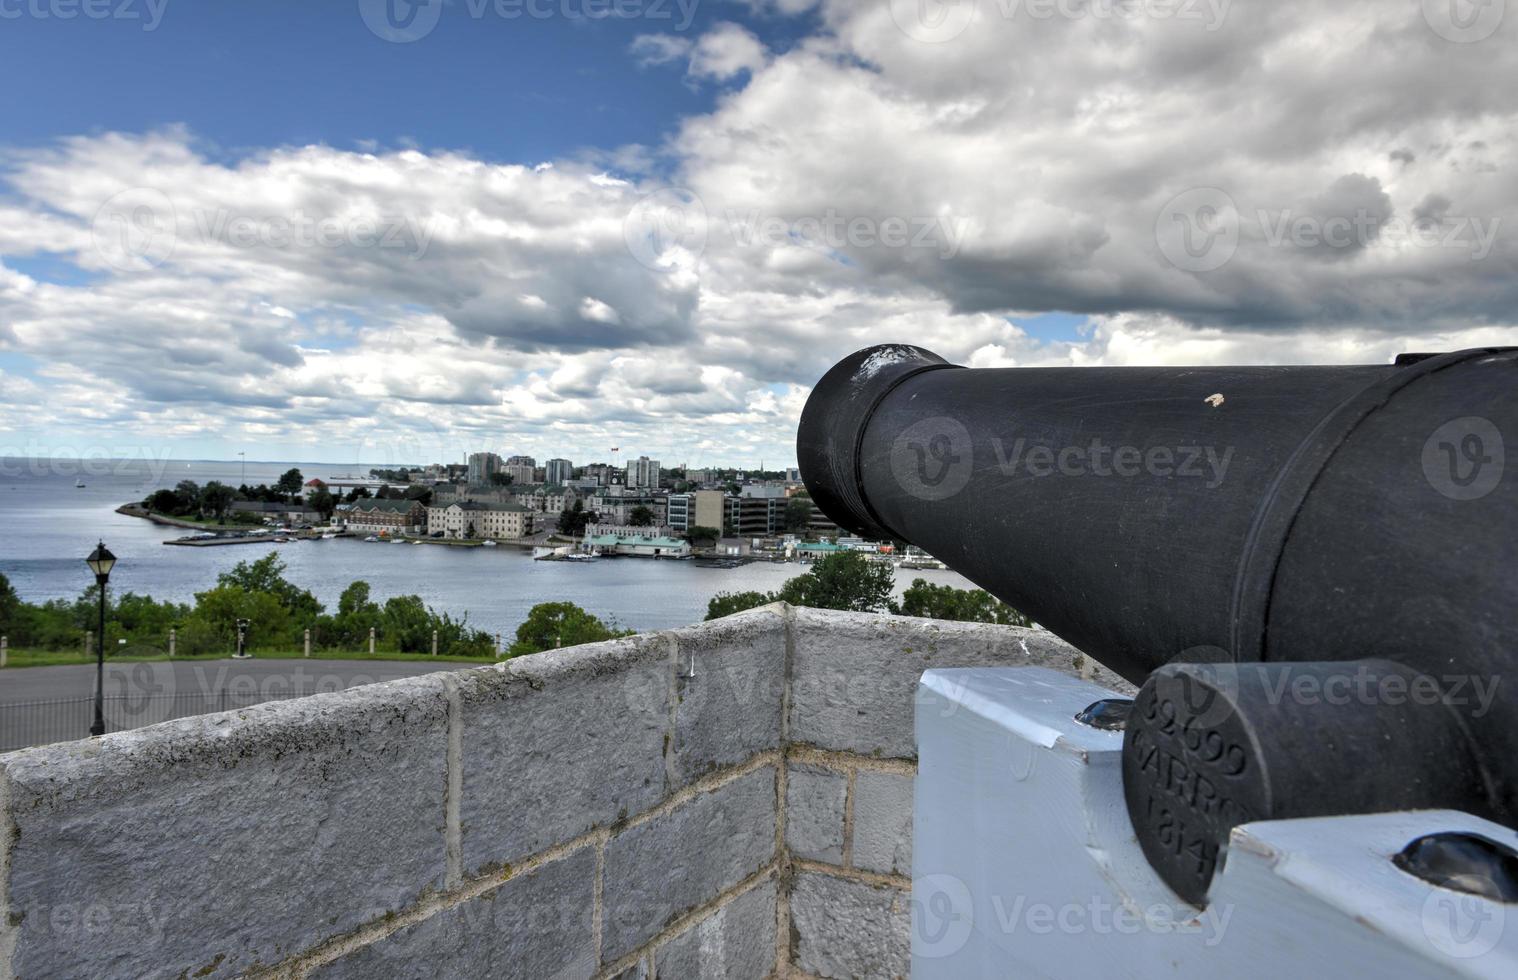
point(754, 516)
point(643, 473)
point(627, 530)
point(297, 513)
point(703, 508)
point(709, 508)
point(615, 505)
point(680, 511)
point(477, 519)
point(545, 499)
point(387, 517)
point(640, 545)
point(481, 467)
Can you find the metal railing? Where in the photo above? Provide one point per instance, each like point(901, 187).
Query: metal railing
point(28, 723)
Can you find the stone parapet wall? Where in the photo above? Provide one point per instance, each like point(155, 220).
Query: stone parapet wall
point(731, 799)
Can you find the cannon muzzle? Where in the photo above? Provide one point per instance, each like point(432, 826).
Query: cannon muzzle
point(1280, 556)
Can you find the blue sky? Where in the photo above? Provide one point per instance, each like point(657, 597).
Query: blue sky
point(243, 74)
point(657, 230)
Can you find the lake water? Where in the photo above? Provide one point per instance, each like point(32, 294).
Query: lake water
point(47, 527)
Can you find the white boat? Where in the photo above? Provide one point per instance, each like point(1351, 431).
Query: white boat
point(328, 537)
point(579, 556)
point(78, 484)
point(417, 541)
point(488, 543)
point(372, 538)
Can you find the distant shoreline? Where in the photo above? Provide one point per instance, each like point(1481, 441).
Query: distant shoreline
point(137, 510)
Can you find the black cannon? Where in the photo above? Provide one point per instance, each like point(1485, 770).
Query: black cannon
point(1312, 572)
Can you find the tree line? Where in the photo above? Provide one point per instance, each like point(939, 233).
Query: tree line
point(849, 581)
point(191, 501)
point(278, 613)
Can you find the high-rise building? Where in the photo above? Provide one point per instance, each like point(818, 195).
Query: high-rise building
point(558, 471)
point(481, 467)
point(643, 472)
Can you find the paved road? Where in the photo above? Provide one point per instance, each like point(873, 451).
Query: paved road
point(245, 679)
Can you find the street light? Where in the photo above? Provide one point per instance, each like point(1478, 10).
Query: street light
point(101, 561)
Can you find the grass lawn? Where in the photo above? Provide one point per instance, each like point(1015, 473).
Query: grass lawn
point(54, 658)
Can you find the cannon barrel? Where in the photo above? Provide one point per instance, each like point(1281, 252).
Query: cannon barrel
point(1312, 571)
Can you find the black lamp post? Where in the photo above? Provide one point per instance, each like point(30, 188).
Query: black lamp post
point(101, 561)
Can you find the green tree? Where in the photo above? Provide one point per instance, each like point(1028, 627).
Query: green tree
point(798, 514)
point(727, 603)
point(843, 580)
point(406, 624)
point(640, 516)
point(552, 625)
point(356, 615)
point(355, 599)
point(574, 519)
point(216, 498)
point(10, 608)
point(219, 609)
point(700, 534)
point(188, 492)
point(267, 575)
point(164, 502)
point(963, 605)
point(499, 479)
point(290, 483)
point(323, 503)
point(142, 620)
